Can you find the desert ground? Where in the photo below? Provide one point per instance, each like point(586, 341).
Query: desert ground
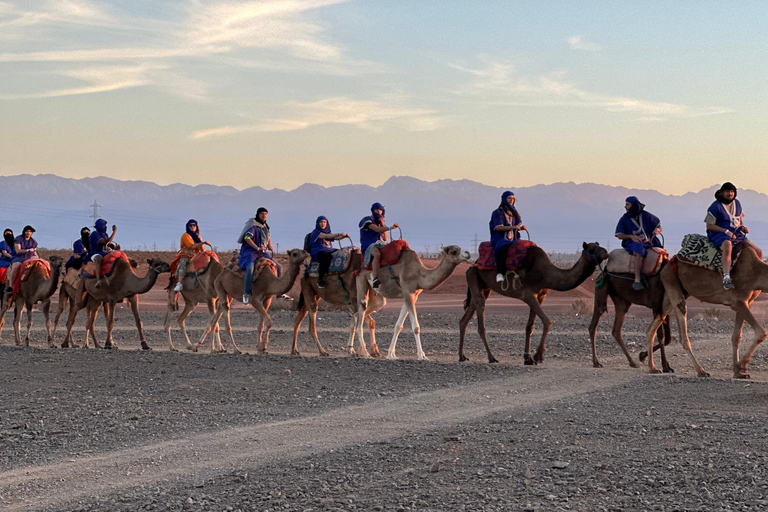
point(127, 430)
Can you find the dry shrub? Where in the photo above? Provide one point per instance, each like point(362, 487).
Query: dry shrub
point(714, 314)
point(580, 308)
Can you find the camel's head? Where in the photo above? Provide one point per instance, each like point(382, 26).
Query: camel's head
point(159, 265)
point(297, 256)
point(594, 252)
point(56, 261)
point(455, 254)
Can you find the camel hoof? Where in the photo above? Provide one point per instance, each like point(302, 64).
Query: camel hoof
point(492, 360)
point(296, 353)
point(391, 357)
point(463, 358)
point(654, 371)
point(529, 362)
point(739, 376)
point(324, 354)
point(669, 369)
point(363, 354)
point(642, 356)
point(598, 365)
point(635, 365)
point(144, 346)
point(109, 346)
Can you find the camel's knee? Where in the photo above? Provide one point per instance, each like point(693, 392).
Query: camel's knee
point(416, 330)
point(682, 307)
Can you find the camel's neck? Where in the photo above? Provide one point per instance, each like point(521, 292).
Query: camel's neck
point(141, 285)
point(568, 279)
point(431, 278)
point(50, 284)
point(283, 284)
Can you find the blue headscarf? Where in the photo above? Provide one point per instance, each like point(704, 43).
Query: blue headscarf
point(195, 236)
point(327, 229)
point(510, 209)
point(636, 208)
point(376, 216)
point(101, 226)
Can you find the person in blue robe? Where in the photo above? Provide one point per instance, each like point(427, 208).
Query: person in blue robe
point(321, 247)
point(373, 236)
point(79, 251)
point(726, 229)
point(637, 230)
point(99, 244)
point(25, 248)
point(505, 226)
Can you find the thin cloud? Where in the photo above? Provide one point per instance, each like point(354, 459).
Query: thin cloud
point(498, 83)
point(374, 115)
point(579, 43)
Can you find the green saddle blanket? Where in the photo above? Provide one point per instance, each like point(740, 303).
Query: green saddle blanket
point(699, 250)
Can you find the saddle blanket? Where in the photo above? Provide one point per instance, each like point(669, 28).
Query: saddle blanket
point(700, 251)
point(26, 268)
point(3, 274)
point(197, 264)
point(107, 264)
point(517, 252)
point(339, 262)
point(72, 277)
point(620, 261)
point(258, 268)
point(390, 253)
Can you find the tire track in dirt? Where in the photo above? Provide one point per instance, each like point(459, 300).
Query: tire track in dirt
point(196, 458)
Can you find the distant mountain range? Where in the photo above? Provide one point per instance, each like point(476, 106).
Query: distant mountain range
point(559, 216)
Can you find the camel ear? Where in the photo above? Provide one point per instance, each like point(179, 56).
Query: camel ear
point(584, 245)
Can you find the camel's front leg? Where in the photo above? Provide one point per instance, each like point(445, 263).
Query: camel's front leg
point(398, 328)
point(300, 314)
point(17, 310)
point(134, 301)
point(598, 310)
point(534, 303)
point(63, 299)
point(410, 302)
point(313, 330)
point(109, 320)
point(47, 316)
point(29, 324)
point(361, 308)
point(182, 321)
point(265, 322)
point(618, 323)
point(167, 323)
point(376, 303)
point(740, 368)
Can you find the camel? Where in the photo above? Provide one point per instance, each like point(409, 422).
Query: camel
point(619, 288)
point(36, 288)
point(537, 276)
point(196, 290)
point(122, 284)
point(407, 279)
point(345, 295)
point(681, 280)
point(68, 294)
point(229, 285)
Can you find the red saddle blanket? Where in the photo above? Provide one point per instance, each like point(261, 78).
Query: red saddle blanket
point(197, 263)
point(26, 267)
point(3, 274)
point(517, 252)
point(390, 253)
point(107, 264)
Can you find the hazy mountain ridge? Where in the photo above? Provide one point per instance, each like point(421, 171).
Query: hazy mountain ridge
point(559, 216)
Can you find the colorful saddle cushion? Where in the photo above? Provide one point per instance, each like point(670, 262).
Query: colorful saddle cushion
point(390, 253)
point(107, 264)
point(517, 252)
point(3, 274)
point(197, 264)
point(620, 261)
point(26, 268)
point(258, 268)
point(700, 251)
point(339, 262)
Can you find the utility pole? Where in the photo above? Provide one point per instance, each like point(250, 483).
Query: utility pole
point(154, 246)
point(95, 207)
point(474, 241)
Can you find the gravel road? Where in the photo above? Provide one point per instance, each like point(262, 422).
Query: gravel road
point(125, 430)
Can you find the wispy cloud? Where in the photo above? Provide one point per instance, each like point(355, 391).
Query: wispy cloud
point(498, 83)
point(383, 113)
point(579, 43)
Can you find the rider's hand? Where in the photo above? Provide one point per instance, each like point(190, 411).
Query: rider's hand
point(114, 228)
point(744, 229)
point(395, 225)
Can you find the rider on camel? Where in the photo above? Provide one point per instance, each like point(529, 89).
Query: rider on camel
point(321, 248)
point(637, 230)
point(190, 244)
point(100, 244)
point(726, 229)
point(506, 224)
point(373, 236)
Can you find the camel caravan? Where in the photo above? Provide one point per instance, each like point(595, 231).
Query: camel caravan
point(721, 267)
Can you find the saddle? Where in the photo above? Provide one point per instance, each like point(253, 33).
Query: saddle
point(72, 277)
point(390, 253)
point(3, 274)
point(620, 261)
point(700, 251)
point(339, 262)
point(26, 268)
point(107, 264)
point(197, 264)
point(258, 268)
point(515, 257)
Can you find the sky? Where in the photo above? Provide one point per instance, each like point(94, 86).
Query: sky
point(658, 95)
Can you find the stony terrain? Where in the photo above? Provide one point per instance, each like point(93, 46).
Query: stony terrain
point(127, 430)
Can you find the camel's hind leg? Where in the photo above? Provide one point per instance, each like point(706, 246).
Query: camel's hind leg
point(740, 367)
point(398, 328)
point(170, 308)
point(63, 299)
point(47, 316)
point(365, 296)
point(265, 322)
point(29, 324)
point(599, 308)
point(17, 311)
point(311, 308)
point(182, 321)
point(300, 314)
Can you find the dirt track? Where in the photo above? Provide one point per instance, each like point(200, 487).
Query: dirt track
point(126, 430)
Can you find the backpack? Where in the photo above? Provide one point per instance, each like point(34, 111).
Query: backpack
point(307, 241)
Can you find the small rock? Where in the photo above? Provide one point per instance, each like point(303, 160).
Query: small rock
point(435, 467)
point(560, 464)
point(287, 371)
point(527, 473)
